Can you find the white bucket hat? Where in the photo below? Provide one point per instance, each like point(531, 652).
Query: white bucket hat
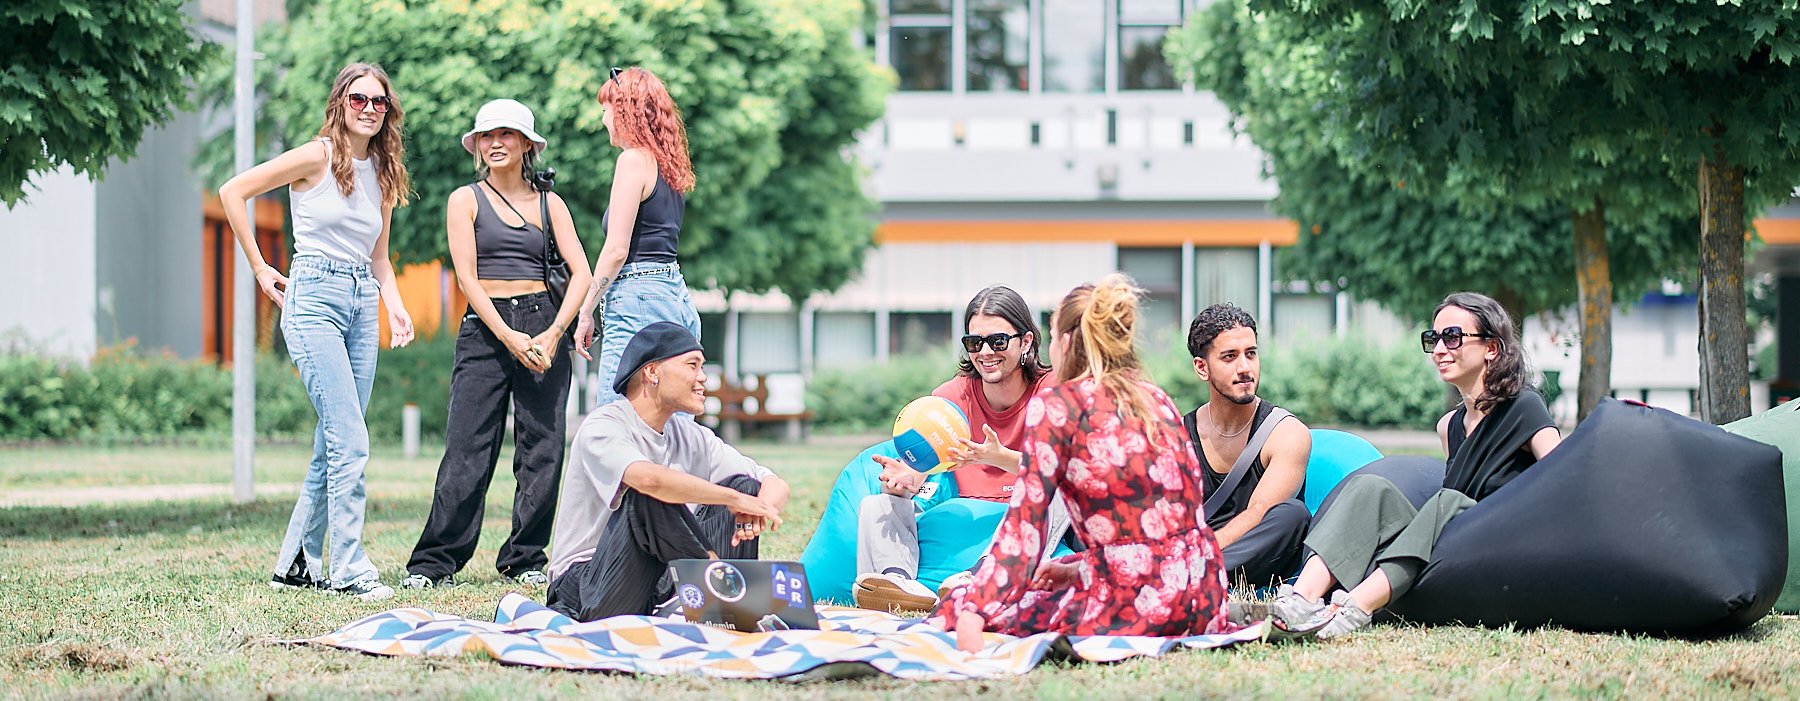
point(504, 114)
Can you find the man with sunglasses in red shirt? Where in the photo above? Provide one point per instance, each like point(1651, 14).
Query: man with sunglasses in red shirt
point(1001, 368)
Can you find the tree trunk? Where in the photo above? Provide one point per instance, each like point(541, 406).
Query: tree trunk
point(1724, 334)
point(1593, 277)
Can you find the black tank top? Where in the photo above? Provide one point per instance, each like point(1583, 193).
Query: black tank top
point(1239, 499)
point(658, 227)
point(504, 252)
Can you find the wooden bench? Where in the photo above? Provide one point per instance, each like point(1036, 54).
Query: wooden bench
point(729, 406)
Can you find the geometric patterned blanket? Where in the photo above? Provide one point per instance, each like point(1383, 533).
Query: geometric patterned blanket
point(850, 643)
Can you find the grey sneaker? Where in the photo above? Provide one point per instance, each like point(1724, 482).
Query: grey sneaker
point(533, 578)
point(1292, 610)
point(366, 590)
point(1342, 618)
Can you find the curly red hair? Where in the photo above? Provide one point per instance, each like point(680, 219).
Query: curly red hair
point(644, 116)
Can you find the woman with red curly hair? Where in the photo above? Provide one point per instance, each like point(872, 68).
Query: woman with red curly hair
point(637, 281)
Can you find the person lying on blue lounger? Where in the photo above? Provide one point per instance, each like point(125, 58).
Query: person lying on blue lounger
point(1002, 369)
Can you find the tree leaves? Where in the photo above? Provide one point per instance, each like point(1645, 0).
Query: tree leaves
point(772, 91)
point(83, 81)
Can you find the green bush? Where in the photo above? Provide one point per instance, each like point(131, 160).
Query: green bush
point(417, 374)
point(128, 394)
point(867, 398)
point(1339, 381)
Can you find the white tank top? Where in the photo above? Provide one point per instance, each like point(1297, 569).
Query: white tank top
point(326, 223)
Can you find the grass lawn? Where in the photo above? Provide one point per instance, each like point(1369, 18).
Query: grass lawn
point(167, 599)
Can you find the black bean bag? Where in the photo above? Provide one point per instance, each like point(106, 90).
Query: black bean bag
point(1641, 521)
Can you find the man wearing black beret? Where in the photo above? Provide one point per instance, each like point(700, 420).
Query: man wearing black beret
point(648, 485)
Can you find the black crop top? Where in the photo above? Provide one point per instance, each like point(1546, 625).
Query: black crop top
point(658, 227)
point(502, 251)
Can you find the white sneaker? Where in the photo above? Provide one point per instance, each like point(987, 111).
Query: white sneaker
point(888, 592)
point(417, 581)
point(366, 590)
point(532, 578)
point(951, 582)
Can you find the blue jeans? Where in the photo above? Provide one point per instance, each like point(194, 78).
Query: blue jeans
point(644, 294)
point(329, 319)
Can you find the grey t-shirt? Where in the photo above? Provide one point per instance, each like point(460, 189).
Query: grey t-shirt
point(611, 438)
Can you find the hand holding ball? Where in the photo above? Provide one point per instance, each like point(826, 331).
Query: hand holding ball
point(925, 432)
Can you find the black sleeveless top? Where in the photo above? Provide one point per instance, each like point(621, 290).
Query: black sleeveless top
point(1499, 449)
point(504, 252)
point(658, 227)
point(1240, 499)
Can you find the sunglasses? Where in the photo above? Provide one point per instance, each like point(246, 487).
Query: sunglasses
point(358, 102)
point(998, 341)
point(1452, 336)
point(615, 76)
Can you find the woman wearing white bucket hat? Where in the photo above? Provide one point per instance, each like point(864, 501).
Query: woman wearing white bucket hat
point(512, 348)
point(637, 280)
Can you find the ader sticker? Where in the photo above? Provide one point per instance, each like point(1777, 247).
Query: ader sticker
point(725, 581)
point(787, 587)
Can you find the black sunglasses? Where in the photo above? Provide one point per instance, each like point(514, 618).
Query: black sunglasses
point(359, 102)
point(615, 76)
point(998, 341)
point(1452, 336)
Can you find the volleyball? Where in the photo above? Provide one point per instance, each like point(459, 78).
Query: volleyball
point(925, 431)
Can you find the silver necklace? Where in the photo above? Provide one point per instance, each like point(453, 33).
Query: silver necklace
point(1215, 426)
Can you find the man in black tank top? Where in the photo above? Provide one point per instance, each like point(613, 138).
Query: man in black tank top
point(1260, 523)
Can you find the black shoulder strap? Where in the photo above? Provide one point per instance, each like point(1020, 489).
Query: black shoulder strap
point(1252, 449)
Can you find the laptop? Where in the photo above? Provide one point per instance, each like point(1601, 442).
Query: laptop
point(747, 595)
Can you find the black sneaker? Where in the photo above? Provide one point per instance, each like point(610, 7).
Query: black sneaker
point(293, 581)
point(366, 590)
point(296, 576)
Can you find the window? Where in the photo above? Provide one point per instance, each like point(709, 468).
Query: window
point(998, 45)
point(768, 342)
point(918, 332)
point(1158, 271)
point(1143, 25)
point(843, 339)
point(919, 43)
point(1074, 54)
point(712, 337)
point(1302, 317)
point(1226, 275)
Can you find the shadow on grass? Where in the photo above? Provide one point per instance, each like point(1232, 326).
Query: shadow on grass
point(177, 517)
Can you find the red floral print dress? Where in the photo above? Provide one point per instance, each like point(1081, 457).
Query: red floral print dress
point(1152, 566)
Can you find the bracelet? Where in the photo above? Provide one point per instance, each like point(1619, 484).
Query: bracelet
point(260, 268)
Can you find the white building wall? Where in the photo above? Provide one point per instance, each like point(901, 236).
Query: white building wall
point(47, 270)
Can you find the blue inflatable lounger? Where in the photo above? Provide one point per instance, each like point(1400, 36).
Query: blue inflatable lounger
point(954, 531)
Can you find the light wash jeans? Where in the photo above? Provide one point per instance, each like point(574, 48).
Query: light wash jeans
point(644, 294)
point(330, 324)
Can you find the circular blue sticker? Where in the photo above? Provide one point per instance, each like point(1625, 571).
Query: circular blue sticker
point(725, 581)
point(691, 598)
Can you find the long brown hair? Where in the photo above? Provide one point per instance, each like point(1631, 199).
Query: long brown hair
point(644, 116)
point(386, 147)
point(1101, 322)
point(1505, 374)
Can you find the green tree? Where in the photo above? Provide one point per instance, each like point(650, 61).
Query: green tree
point(83, 80)
point(1583, 105)
point(772, 91)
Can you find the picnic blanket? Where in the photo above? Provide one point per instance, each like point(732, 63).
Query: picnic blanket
point(850, 643)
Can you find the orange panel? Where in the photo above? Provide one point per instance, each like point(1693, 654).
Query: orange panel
point(1216, 232)
point(1784, 232)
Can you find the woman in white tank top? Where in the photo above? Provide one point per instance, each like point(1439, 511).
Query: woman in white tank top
point(343, 188)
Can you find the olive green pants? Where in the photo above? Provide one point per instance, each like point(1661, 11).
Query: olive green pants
point(1371, 525)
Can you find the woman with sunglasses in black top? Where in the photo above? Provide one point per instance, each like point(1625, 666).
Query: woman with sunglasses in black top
point(1501, 428)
